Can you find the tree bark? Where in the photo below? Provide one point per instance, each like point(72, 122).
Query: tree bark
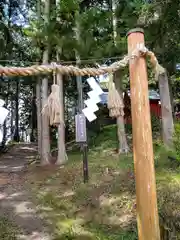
point(16, 135)
point(45, 122)
point(114, 21)
point(122, 139)
point(62, 156)
point(33, 113)
point(12, 118)
point(39, 97)
point(166, 111)
point(123, 146)
point(5, 122)
point(39, 115)
point(78, 62)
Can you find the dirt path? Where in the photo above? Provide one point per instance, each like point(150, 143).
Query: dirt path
point(15, 200)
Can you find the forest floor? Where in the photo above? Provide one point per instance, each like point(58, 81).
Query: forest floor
point(18, 218)
point(102, 209)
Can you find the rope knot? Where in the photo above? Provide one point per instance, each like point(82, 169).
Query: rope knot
point(142, 49)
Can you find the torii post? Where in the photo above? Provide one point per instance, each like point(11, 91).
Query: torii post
point(147, 212)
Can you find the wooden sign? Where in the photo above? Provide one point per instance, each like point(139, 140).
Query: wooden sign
point(81, 136)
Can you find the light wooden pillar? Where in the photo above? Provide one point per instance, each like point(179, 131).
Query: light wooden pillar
point(147, 212)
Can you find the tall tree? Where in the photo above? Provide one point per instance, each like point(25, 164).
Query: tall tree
point(123, 146)
point(39, 115)
point(16, 134)
point(45, 123)
point(62, 156)
point(38, 96)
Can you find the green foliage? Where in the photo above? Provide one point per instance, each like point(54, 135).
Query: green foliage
point(155, 123)
point(7, 230)
point(177, 141)
point(169, 157)
point(161, 154)
point(105, 138)
point(128, 128)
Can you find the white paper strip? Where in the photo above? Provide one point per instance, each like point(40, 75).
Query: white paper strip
point(95, 86)
point(3, 114)
point(94, 97)
point(89, 114)
point(91, 105)
point(2, 102)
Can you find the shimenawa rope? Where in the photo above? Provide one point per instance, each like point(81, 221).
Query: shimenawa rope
point(73, 70)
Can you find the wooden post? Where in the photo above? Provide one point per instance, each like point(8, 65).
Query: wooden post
point(147, 212)
point(166, 110)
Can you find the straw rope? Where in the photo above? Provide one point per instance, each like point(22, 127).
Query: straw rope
point(157, 67)
point(70, 70)
point(115, 102)
point(73, 70)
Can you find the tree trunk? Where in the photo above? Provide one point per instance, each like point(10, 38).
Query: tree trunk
point(171, 93)
point(12, 118)
point(62, 156)
point(16, 135)
point(78, 62)
point(123, 146)
point(39, 97)
point(39, 115)
point(45, 122)
point(114, 21)
point(166, 111)
point(79, 79)
point(5, 122)
point(33, 114)
point(122, 139)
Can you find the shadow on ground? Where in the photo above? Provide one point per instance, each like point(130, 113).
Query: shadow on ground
point(103, 209)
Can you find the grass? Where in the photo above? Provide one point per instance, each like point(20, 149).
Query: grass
point(8, 230)
point(105, 207)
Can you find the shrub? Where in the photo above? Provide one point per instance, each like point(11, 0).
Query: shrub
point(177, 140)
point(155, 123)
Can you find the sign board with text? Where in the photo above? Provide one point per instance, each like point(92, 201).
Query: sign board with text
point(80, 121)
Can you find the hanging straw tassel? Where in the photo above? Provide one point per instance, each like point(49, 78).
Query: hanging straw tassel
point(52, 107)
point(115, 103)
